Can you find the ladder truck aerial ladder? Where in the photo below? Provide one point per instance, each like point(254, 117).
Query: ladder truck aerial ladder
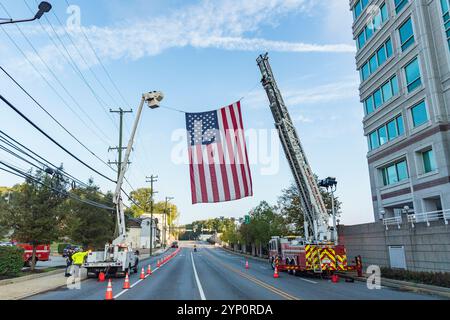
point(318, 251)
point(118, 256)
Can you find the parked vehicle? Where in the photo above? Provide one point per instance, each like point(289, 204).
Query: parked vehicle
point(175, 244)
point(42, 253)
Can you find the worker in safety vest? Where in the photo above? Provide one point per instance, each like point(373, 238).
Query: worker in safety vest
point(78, 259)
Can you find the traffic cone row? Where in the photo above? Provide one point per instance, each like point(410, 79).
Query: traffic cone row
point(126, 284)
point(109, 292)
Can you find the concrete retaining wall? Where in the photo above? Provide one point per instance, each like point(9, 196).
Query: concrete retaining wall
point(426, 248)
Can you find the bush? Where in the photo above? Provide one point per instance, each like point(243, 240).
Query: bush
point(441, 279)
point(61, 247)
point(11, 261)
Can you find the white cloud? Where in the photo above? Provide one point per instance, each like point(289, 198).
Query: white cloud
point(346, 88)
point(225, 24)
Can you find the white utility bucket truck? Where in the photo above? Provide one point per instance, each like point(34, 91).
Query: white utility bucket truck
point(118, 258)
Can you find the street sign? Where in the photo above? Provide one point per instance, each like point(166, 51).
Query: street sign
point(247, 219)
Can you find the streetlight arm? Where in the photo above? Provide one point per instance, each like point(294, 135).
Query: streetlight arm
point(44, 7)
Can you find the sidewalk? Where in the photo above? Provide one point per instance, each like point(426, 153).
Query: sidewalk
point(22, 287)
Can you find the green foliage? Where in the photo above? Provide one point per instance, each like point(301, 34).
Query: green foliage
point(11, 261)
point(87, 225)
point(61, 247)
point(32, 209)
point(441, 279)
point(290, 207)
point(142, 198)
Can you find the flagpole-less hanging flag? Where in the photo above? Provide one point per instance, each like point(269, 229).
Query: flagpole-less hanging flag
point(218, 159)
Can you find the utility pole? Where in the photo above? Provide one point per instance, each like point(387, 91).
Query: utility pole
point(120, 148)
point(165, 220)
point(152, 179)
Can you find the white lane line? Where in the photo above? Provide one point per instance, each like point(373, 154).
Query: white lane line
point(199, 285)
point(310, 281)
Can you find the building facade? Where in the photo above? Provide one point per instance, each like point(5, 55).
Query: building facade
point(403, 57)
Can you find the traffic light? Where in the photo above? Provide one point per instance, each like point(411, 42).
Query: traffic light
point(247, 219)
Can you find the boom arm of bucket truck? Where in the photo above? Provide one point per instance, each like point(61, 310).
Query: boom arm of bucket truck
point(315, 213)
point(152, 99)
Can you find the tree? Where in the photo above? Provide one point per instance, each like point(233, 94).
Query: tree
point(88, 225)
point(290, 207)
point(142, 198)
point(32, 210)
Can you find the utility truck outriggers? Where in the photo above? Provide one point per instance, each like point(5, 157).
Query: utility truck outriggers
point(118, 257)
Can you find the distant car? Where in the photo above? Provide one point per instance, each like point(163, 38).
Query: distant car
point(67, 248)
point(6, 244)
point(175, 244)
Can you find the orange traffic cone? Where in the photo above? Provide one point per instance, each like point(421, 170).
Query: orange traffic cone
point(275, 273)
point(126, 284)
point(246, 265)
point(101, 277)
point(158, 264)
point(109, 292)
point(142, 274)
point(149, 270)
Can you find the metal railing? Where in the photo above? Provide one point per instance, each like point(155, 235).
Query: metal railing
point(429, 216)
point(393, 221)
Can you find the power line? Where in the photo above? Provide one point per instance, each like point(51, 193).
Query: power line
point(53, 118)
point(50, 70)
point(20, 173)
point(53, 140)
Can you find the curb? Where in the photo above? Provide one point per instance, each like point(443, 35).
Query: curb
point(245, 255)
point(406, 286)
point(29, 277)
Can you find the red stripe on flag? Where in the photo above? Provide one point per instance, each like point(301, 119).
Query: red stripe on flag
point(245, 148)
point(239, 149)
point(223, 169)
point(212, 172)
point(191, 170)
point(201, 173)
point(231, 154)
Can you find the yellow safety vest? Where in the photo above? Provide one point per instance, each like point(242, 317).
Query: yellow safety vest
point(78, 258)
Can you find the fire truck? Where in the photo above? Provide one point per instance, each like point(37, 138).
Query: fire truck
point(318, 251)
point(42, 253)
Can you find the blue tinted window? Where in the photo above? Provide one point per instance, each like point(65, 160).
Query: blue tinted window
point(419, 114)
point(357, 9)
point(378, 100)
point(429, 163)
point(412, 72)
point(389, 47)
point(361, 40)
point(382, 135)
point(373, 63)
point(374, 140)
point(369, 105)
point(400, 127)
point(394, 83)
point(384, 13)
point(399, 4)
point(392, 129)
point(365, 71)
point(402, 171)
point(392, 174)
point(406, 34)
point(387, 91)
point(381, 54)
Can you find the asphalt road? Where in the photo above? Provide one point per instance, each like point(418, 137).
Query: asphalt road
point(214, 274)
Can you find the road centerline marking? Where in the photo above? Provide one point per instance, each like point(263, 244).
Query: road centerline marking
point(199, 285)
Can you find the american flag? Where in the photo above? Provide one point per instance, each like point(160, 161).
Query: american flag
point(218, 159)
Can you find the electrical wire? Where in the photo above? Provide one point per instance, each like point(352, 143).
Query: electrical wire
point(53, 140)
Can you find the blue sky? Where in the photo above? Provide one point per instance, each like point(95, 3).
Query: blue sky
point(202, 55)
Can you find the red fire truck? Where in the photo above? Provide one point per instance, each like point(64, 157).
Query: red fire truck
point(295, 255)
point(42, 252)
